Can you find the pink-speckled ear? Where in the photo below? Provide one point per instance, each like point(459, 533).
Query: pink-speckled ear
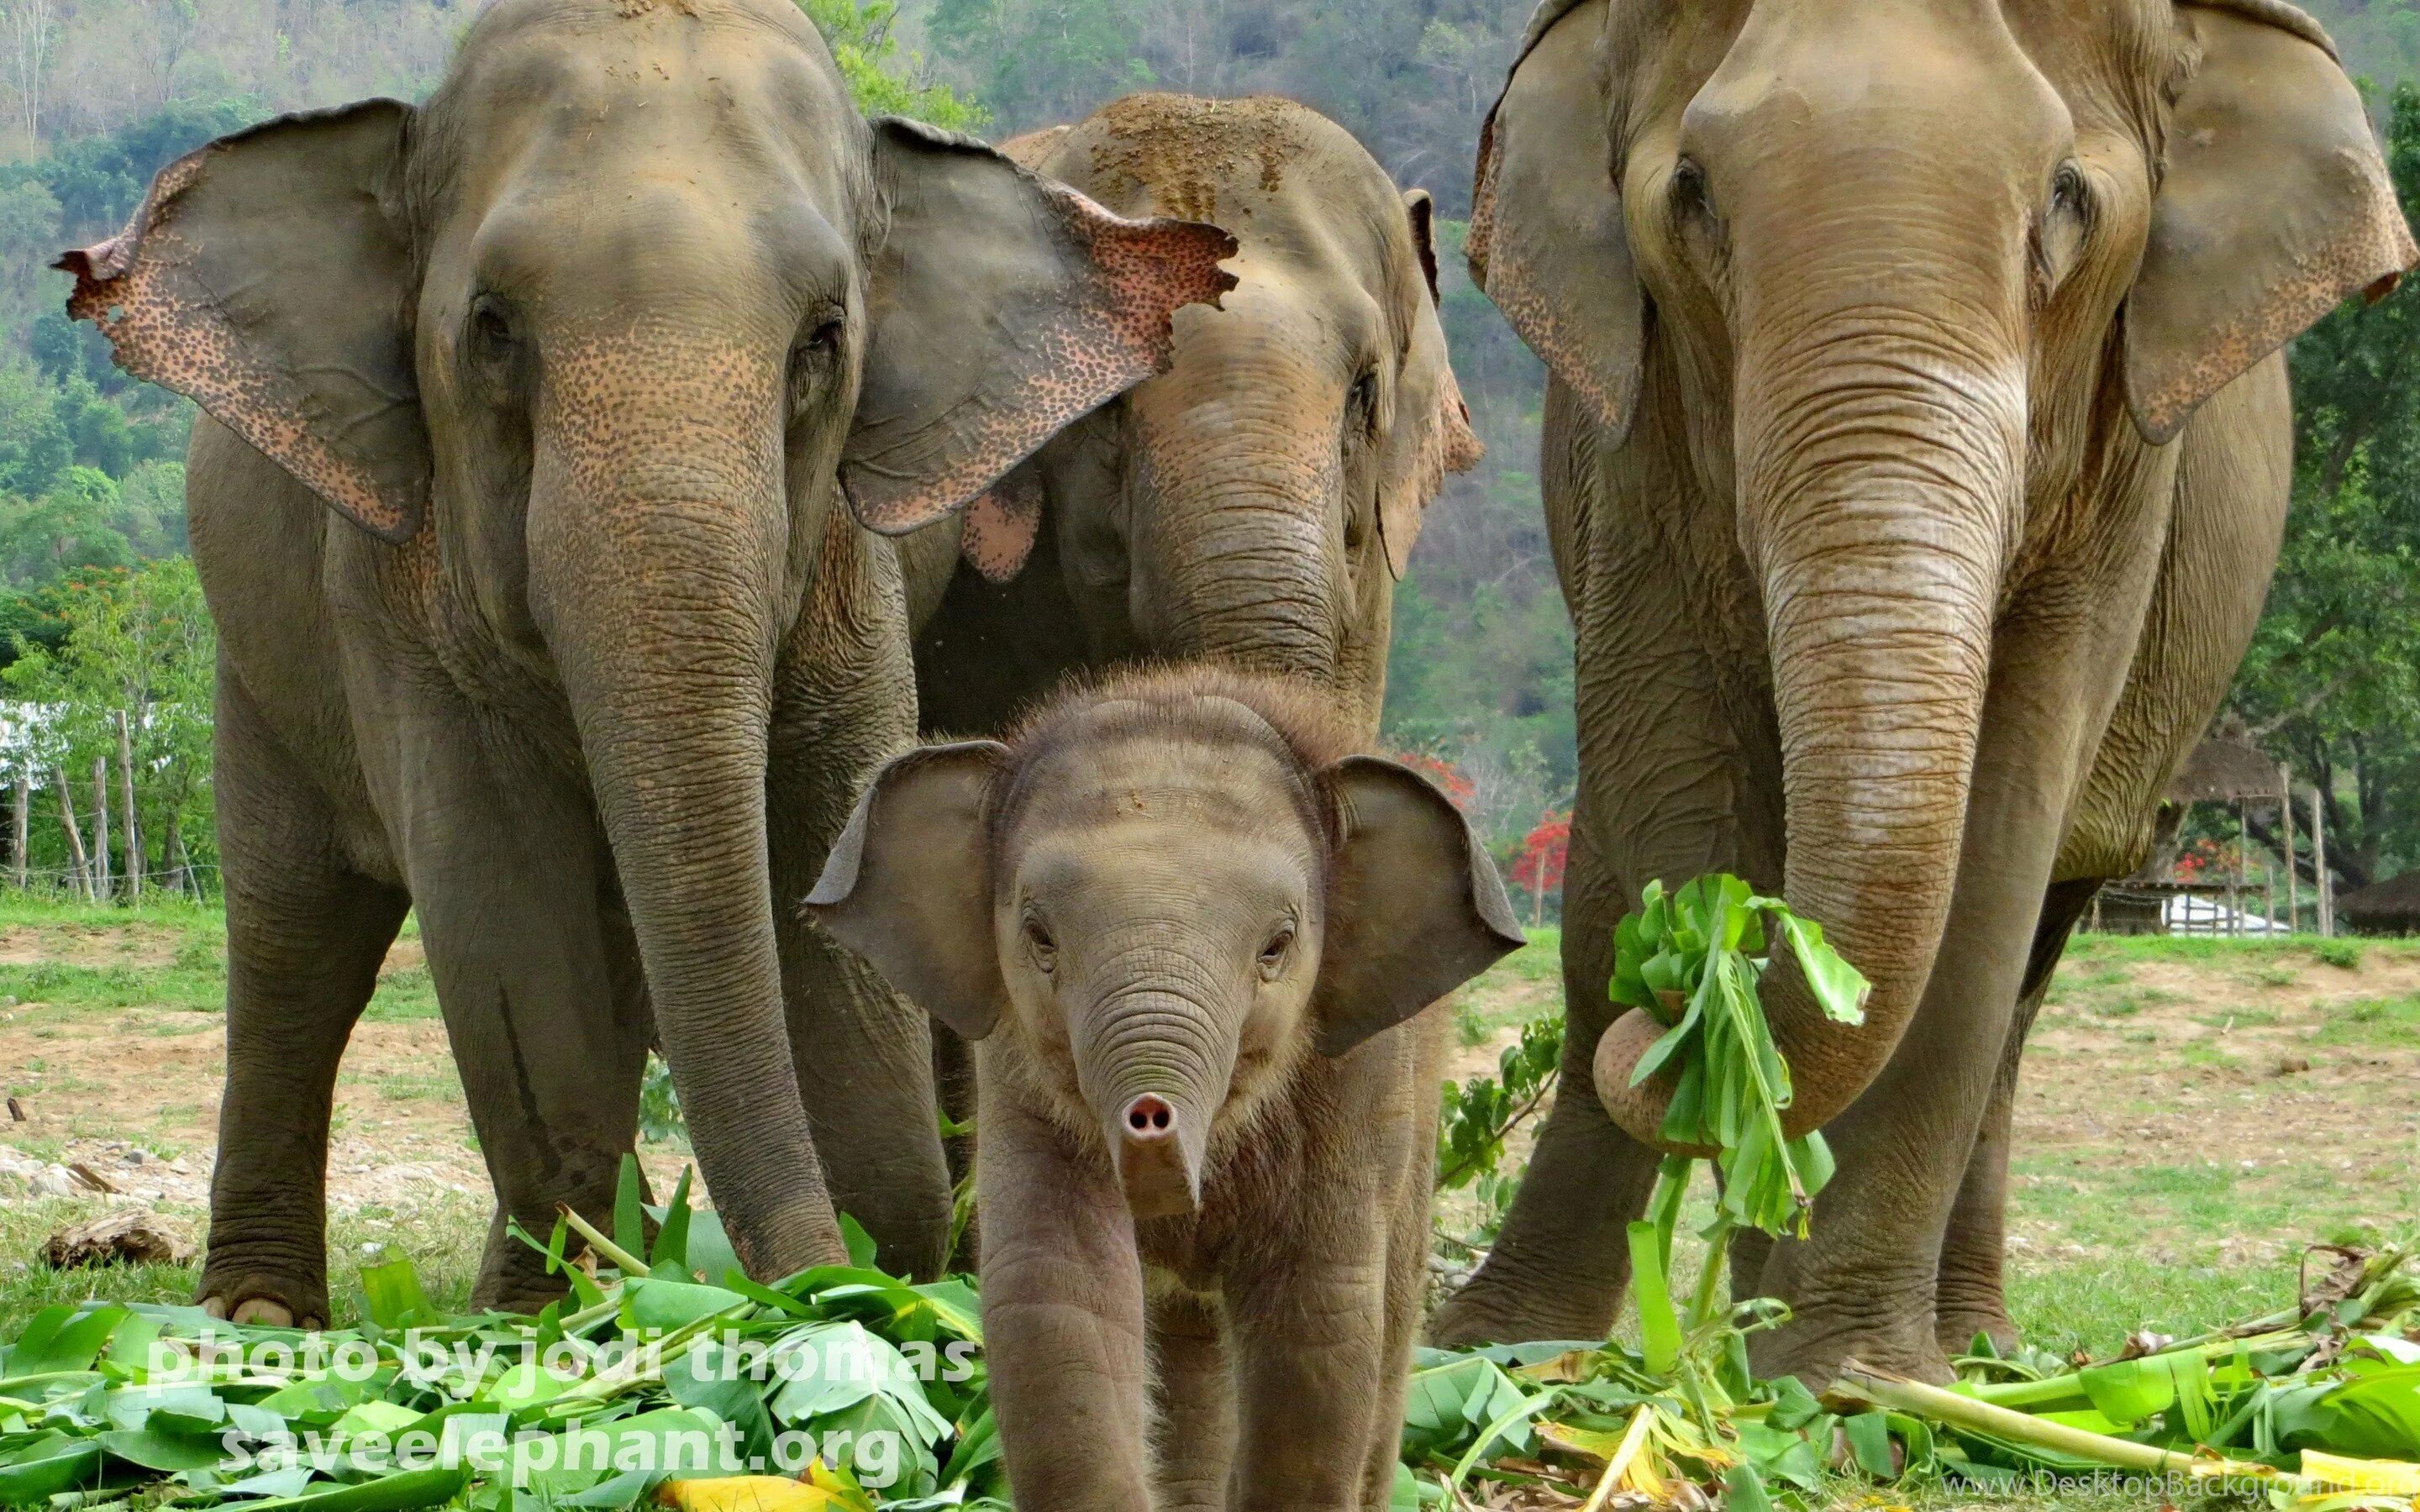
point(1003, 306)
point(995, 534)
point(2275, 206)
point(265, 277)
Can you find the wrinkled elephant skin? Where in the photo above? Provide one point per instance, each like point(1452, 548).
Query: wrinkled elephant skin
point(546, 423)
point(1256, 503)
point(1916, 456)
point(1195, 936)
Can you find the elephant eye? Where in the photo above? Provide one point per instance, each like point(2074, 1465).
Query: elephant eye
point(491, 342)
point(1039, 945)
point(1689, 192)
point(1273, 955)
point(2069, 193)
point(815, 356)
point(1361, 406)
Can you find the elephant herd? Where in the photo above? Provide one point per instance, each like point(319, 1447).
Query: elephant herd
point(613, 461)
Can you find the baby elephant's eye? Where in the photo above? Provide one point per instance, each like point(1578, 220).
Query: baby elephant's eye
point(1273, 954)
point(1039, 945)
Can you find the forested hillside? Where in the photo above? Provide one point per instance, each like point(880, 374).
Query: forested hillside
point(95, 95)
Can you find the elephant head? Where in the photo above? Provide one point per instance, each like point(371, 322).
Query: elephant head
point(1911, 279)
point(600, 337)
point(1166, 893)
point(1257, 501)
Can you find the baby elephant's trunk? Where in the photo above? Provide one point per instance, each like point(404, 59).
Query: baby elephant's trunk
point(1155, 1068)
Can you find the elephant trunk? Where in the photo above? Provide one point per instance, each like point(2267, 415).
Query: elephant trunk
point(1880, 488)
point(1237, 519)
point(656, 558)
point(1153, 1066)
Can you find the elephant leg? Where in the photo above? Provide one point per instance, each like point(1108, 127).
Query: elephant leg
point(1862, 1284)
point(1407, 1282)
point(1193, 1406)
point(1969, 1298)
point(1559, 1265)
point(306, 936)
point(538, 987)
point(864, 1054)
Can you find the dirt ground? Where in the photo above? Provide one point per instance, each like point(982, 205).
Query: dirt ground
point(131, 1095)
point(2244, 1096)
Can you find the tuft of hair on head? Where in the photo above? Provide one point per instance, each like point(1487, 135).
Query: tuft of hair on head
point(1306, 726)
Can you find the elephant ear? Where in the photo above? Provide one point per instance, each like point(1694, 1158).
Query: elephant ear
point(1003, 306)
point(908, 884)
point(265, 277)
point(1547, 239)
point(1430, 438)
point(2275, 206)
point(1414, 908)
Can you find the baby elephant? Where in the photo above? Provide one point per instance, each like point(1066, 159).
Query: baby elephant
point(1193, 933)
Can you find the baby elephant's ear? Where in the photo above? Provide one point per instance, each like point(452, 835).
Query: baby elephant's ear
point(1003, 306)
point(908, 884)
point(1414, 908)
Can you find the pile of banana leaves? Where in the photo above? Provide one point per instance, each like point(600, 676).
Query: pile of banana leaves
point(2316, 1407)
point(837, 1390)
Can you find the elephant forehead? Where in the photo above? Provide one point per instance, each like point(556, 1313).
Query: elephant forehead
point(1161, 856)
point(1140, 787)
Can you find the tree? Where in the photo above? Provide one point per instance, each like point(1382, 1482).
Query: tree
point(883, 80)
point(138, 642)
point(2332, 683)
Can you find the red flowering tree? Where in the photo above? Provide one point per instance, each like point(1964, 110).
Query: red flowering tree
point(1539, 867)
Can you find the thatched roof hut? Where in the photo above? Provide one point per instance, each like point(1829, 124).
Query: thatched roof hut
point(2224, 768)
point(2388, 907)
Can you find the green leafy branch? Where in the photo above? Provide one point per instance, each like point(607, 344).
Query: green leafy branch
point(1693, 959)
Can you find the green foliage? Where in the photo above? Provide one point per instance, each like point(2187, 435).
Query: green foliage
point(660, 1109)
point(137, 643)
point(2333, 676)
point(2343, 954)
point(1480, 1114)
point(883, 80)
point(1689, 960)
point(652, 1352)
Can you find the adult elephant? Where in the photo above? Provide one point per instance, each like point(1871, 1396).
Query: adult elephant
point(587, 660)
point(1256, 501)
point(1916, 456)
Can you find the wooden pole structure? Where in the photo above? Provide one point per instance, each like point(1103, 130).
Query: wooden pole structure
point(79, 873)
point(101, 890)
point(21, 823)
point(2319, 865)
point(2286, 821)
point(126, 811)
point(2235, 883)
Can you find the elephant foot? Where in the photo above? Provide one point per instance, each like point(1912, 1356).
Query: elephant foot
point(1815, 1344)
point(1492, 1308)
point(265, 1301)
point(1955, 1329)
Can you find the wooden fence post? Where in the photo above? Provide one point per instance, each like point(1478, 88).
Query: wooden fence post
point(2319, 865)
point(79, 872)
point(2286, 821)
point(126, 811)
point(21, 824)
point(101, 890)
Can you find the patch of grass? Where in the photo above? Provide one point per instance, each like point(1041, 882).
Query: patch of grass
point(412, 1086)
point(442, 1234)
point(405, 992)
point(86, 987)
point(2124, 1006)
point(2270, 974)
point(2388, 1022)
point(2344, 956)
point(2201, 1052)
point(2239, 1018)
